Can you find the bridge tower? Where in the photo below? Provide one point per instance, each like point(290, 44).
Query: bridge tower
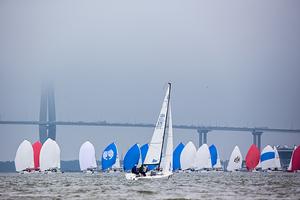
point(202, 136)
point(257, 138)
point(47, 114)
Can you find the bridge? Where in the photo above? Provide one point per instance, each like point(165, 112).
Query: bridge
point(47, 123)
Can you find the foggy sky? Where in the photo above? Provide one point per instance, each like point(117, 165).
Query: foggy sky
point(231, 63)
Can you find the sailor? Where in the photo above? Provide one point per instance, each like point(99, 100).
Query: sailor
point(143, 170)
point(134, 170)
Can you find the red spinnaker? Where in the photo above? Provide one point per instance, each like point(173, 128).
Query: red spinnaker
point(252, 157)
point(36, 153)
point(296, 159)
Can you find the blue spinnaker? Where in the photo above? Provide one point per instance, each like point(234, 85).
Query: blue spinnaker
point(131, 157)
point(109, 156)
point(213, 154)
point(176, 156)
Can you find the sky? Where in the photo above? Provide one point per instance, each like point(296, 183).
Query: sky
point(231, 63)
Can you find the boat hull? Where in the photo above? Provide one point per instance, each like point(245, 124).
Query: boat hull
point(131, 176)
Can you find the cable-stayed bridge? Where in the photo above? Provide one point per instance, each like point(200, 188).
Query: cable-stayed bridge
point(47, 123)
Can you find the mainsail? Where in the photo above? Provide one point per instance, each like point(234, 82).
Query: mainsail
point(87, 156)
point(154, 153)
point(24, 156)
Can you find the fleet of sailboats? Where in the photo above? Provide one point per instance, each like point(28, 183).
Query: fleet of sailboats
point(155, 159)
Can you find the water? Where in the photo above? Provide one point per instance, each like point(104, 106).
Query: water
point(212, 185)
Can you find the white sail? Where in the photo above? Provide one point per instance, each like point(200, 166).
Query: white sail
point(87, 156)
point(187, 156)
point(24, 156)
point(49, 155)
point(290, 164)
point(168, 167)
point(117, 163)
point(277, 159)
point(153, 155)
point(202, 159)
point(267, 159)
point(235, 160)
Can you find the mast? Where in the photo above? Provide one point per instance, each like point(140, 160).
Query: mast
point(167, 122)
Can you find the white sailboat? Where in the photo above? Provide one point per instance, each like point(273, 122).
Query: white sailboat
point(155, 151)
point(87, 157)
point(24, 157)
point(277, 160)
point(235, 160)
point(267, 158)
point(203, 159)
point(187, 157)
point(50, 156)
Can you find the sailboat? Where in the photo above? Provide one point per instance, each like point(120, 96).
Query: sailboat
point(235, 160)
point(252, 158)
point(50, 157)
point(87, 158)
point(295, 160)
point(267, 158)
point(109, 157)
point(24, 162)
point(155, 150)
point(176, 156)
point(215, 158)
point(277, 160)
point(203, 159)
point(36, 154)
point(187, 157)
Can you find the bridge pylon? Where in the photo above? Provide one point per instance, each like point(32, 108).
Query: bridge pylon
point(47, 114)
point(257, 138)
point(202, 136)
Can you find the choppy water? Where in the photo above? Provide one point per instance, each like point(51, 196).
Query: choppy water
point(212, 185)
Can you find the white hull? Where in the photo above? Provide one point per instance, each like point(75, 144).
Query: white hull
point(134, 177)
